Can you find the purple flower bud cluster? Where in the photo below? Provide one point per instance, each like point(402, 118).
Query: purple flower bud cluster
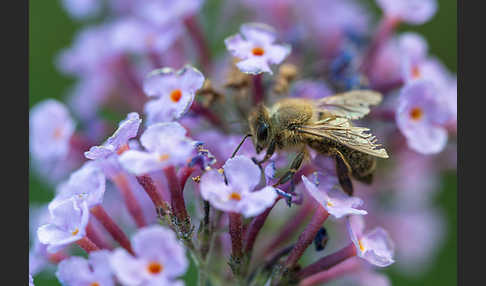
point(165, 185)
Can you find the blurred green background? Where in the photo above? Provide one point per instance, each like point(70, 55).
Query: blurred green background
point(50, 29)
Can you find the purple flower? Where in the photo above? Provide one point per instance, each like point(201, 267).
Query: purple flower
point(51, 128)
point(369, 277)
point(86, 184)
point(159, 259)
point(256, 51)
point(31, 280)
point(420, 115)
point(166, 144)
point(139, 37)
point(174, 90)
point(68, 224)
point(78, 271)
point(80, 9)
point(166, 12)
point(237, 195)
point(411, 11)
point(375, 246)
point(334, 200)
point(118, 142)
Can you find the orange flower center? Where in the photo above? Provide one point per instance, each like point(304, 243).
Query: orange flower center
point(329, 204)
point(415, 72)
point(176, 95)
point(258, 51)
point(235, 196)
point(361, 247)
point(416, 113)
point(155, 268)
point(163, 157)
point(57, 133)
point(74, 232)
point(122, 149)
point(94, 284)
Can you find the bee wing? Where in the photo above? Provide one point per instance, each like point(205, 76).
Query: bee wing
point(352, 105)
point(339, 129)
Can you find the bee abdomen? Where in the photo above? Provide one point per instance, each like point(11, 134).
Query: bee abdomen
point(362, 165)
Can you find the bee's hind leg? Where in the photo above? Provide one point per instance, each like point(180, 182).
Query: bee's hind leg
point(294, 167)
point(343, 171)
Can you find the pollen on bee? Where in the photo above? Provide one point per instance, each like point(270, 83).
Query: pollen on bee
point(176, 95)
point(416, 113)
point(155, 268)
point(234, 196)
point(258, 51)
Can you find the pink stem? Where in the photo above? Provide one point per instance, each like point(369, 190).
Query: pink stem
point(177, 199)
point(289, 228)
point(199, 39)
point(149, 186)
point(131, 201)
point(86, 244)
point(207, 113)
point(329, 261)
point(307, 236)
point(115, 231)
point(255, 226)
point(94, 235)
point(258, 88)
point(235, 230)
point(337, 271)
point(184, 175)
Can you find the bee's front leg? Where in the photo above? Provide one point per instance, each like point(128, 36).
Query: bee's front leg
point(268, 155)
point(294, 167)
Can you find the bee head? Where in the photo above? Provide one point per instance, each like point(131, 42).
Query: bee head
point(260, 129)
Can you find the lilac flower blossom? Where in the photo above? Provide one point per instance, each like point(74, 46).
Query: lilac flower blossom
point(174, 90)
point(159, 259)
point(420, 117)
point(68, 224)
point(375, 246)
point(78, 271)
point(334, 200)
point(237, 195)
point(51, 128)
point(118, 142)
point(132, 35)
point(166, 145)
point(81, 9)
point(86, 184)
point(31, 280)
point(167, 12)
point(255, 48)
point(414, 12)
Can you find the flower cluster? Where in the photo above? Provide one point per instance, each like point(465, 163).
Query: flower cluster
point(174, 180)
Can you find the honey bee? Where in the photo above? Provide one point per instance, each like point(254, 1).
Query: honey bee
point(325, 126)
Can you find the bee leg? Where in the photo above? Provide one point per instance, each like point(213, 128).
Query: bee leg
point(294, 167)
point(269, 154)
point(343, 171)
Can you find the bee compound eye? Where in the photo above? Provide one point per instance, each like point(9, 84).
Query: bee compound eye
point(262, 132)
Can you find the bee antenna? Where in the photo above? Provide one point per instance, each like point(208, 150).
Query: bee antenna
point(239, 145)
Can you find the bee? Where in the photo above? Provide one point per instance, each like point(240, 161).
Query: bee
point(323, 125)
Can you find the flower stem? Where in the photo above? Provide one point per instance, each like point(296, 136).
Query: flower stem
point(258, 88)
point(184, 174)
point(235, 231)
point(335, 272)
point(199, 39)
point(86, 244)
point(148, 185)
point(115, 231)
point(205, 112)
point(307, 236)
point(134, 208)
point(96, 237)
point(329, 261)
point(255, 226)
point(177, 202)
